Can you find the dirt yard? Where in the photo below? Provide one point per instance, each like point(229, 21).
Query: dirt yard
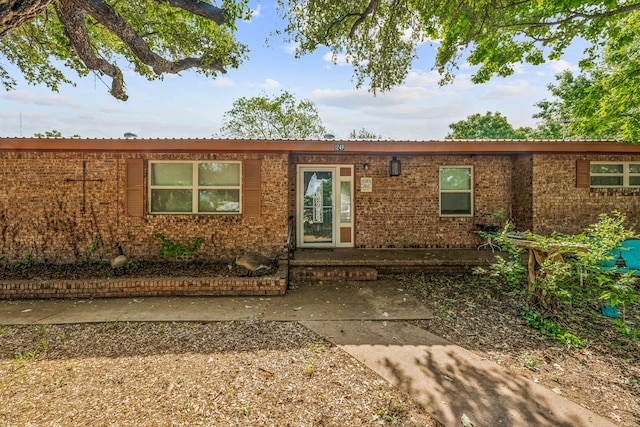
point(264, 373)
point(603, 375)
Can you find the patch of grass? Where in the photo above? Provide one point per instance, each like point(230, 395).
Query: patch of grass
point(551, 329)
point(310, 368)
point(114, 324)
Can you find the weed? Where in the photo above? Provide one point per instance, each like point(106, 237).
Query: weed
point(531, 364)
point(317, 346)
point(3, 331)
point(162, 328)
point(92, 249)
point(310, 368)
point(132, 266)
point(113, 324)
point(55, 385)
point(41, 330)
point(393, 414)
point(27, 262)
point(71, 366)
point(177, 251)
point(63, 336)
point(551, 329)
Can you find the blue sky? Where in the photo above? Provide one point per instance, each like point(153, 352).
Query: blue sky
point(192, 106)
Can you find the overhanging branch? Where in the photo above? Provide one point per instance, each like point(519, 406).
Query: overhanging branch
point(72, 14)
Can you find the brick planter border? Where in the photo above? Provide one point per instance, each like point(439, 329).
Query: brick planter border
point(143, 287)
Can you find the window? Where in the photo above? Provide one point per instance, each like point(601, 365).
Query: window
point(614, 175)
point(194, 187)
point(456, 196)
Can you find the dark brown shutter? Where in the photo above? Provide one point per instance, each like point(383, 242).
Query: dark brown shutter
point(251, 197)
point(583, 174)
point(134, 187)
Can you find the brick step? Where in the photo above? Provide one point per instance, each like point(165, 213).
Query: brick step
point(319, 273)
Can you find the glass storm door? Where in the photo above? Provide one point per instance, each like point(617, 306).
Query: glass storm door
point(325, 206)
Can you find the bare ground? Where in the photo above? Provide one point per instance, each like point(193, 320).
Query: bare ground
point(475, 313)
point(281, 374)
point(189, 374)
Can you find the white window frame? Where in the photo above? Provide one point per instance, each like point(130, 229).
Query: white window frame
point(625, 175)
point(195, 188)
point(470, 191)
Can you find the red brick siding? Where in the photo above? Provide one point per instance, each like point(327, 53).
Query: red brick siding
point(403, 211)
point(560, 206)
point(522, 205)
point(41, 210)
point(121, 288)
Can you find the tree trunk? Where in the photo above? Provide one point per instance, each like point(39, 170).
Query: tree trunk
point(14, 13)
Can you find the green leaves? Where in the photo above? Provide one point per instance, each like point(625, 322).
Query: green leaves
point(279, 117)
point(489, 126)
point(153, 37)
point(379, 38)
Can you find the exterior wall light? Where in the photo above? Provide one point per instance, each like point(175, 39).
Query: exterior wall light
point(395, 167)
point(365, 165)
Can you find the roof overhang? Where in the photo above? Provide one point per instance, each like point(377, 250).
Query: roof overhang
point(314, 146)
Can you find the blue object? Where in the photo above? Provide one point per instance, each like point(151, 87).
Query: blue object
point(630, 252)
point(609, 310)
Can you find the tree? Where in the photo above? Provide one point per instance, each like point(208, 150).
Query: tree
point(559, 116)
point(380, 37)
point(279, 117)
point(489, 126)
point(155, 37)
point(364, 134)
point(602, 101)
point(49, 134)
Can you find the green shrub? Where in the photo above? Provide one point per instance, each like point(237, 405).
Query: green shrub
point(177, 251)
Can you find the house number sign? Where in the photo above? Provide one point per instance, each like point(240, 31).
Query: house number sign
point(338, 147)
point(366, 184)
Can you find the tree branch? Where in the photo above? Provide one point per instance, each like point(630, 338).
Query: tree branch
point(73, 20)
point(199, 8)
point(371, 7)
point(15, 13)
point(72, 13)
point(105, 15)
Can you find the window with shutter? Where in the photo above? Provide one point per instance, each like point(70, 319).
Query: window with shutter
point(134, 187)
point(251, 195)
point(583, 176)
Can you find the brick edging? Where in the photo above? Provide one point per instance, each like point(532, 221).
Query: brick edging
point(146, 287)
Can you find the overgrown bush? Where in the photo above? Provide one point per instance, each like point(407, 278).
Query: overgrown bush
point(177, 251)
point(572, 272)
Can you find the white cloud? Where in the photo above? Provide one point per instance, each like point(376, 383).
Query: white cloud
point(222, 82)
point(255, 13)
point(560, 65)
point(269, 84)
point(422, 78)
point(49, 100)
point(338, 59)
point(514, 90)
point(290, 48)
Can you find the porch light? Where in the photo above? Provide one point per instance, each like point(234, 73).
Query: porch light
point(395, 167)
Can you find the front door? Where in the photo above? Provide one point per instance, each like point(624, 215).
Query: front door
point(325, 206)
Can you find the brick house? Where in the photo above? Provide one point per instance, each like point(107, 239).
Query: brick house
point(57, 195)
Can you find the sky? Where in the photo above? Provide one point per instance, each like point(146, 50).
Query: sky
point(193, 106)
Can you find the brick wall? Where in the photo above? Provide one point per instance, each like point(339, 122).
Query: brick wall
point(46, 213)
point(560, 206)
point(403, 211)
point(522, 204)
point(121, 288)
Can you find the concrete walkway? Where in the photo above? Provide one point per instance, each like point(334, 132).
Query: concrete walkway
point(367, 320)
